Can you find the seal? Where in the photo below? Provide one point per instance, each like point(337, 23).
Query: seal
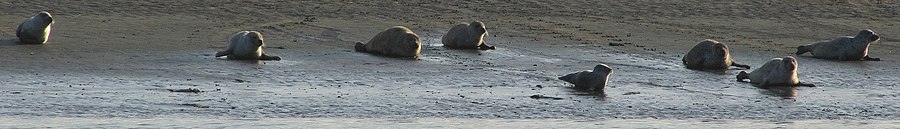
point(845, 48)
point(35, 30)
point(590, 80)
point(246, 45)
point(466, 36)
point(397, 41)
point(710, 54)
point(776, 72)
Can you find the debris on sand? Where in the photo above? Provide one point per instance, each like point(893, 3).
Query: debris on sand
point(545, 97)
point(616, 44)
point(188, 90)
point(239, 81)
point(632, 93)
point(279, 47)
point(195, 105)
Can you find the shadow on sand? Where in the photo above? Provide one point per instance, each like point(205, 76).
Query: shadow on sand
point(248, 62)
point(393, 57)
point(787, 92)
point(10, 42)
point(721, 71)
point(469, 51)
point(600, 95)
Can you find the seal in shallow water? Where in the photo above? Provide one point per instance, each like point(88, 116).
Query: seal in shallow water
point(590, 80)
point(466, 36)
point(397, 41)
point(776, 72)
point(246, 45)
point(710, 54)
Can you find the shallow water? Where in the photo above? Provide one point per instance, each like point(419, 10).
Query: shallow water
point(118, 60)
point(317, 80)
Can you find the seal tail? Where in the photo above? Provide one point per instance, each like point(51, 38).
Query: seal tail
point(741, 76)
point(222, 53)
point(802, 49)
point(268, 57)
point(569, 78)
point(360, 47)
point(740, 65)
point(19, 31)
point(486, 47)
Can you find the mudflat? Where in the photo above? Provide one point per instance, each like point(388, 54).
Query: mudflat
point(113, 58)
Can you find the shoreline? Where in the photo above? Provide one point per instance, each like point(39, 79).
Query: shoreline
point(433, 123)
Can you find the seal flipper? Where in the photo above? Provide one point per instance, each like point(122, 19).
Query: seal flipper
point(360, 47)
point(267, 57)
point(570, 77)
point(802, 49)
point(741, 76)
point(223, 53)
point(867, 58)
point(740, 65)
point(486, 47)
point(805, 84)
point(227, 51)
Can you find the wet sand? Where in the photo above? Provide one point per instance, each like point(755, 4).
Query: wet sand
point(435, 123)
point(120, 58)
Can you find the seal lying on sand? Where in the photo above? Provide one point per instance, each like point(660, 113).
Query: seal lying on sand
point(397, 41)
point(35, 30)
point(246, 45)
point(466, 36)
point(776, 72)
point(590, 80)
point(710, 54)
point(844, 48)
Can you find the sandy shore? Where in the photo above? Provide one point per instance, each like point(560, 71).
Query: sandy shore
point(432, 123)
point(109, 58)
